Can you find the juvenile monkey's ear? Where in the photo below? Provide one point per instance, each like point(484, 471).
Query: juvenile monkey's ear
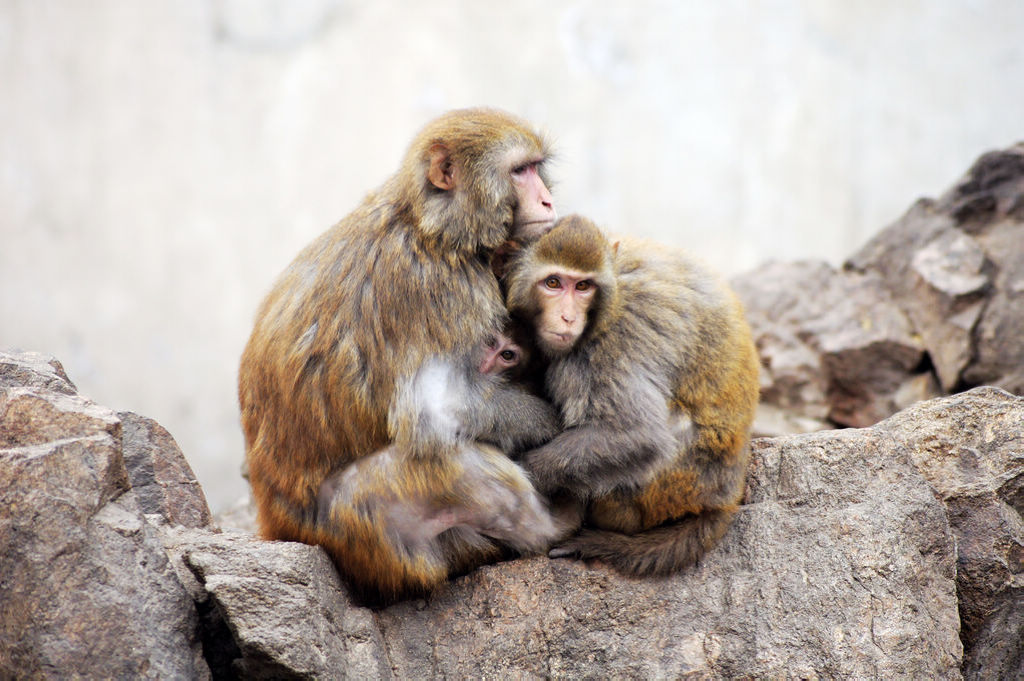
point(615, 248)
point(442, 171)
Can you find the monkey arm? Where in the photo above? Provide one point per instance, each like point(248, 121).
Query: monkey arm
point(445, 403)
point(614, 446)
point(513, 419)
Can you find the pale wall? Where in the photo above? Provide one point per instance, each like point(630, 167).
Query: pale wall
point(161, 162)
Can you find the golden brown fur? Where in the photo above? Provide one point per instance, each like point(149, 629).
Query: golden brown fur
point(334, 370)
point(657, 397)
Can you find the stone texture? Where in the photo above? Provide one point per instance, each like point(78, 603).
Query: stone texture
point(955, 265)
point(85, 585)
point(34, 369)
point(857, 553)
point(841, 563)
point(976, 466)
point(834, 347)
point(285, 611)
point(933, 304)
point(159, 473)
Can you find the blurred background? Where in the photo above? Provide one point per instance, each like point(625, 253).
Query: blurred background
point(161, 162)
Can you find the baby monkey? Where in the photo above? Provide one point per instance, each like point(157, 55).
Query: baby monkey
point(653, 370)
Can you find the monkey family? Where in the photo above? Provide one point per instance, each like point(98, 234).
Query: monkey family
point(417, 418)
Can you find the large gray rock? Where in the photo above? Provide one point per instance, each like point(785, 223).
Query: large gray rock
point(976, 466)
point(834, 347)
point(34, 370)
point(933, 304)
point(85, 583)
point(956, 267)
point(889, 551)
point(159, 473)
point(275, 609)
point(842, 563)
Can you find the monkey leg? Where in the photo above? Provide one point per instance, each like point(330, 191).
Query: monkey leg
point(659, 551)
point(377, 531)
point(494, 497)
point(398, 525)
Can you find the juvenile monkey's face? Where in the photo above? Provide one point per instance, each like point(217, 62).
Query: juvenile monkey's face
point(564, 298)
point(500, 354)
point(535, 209)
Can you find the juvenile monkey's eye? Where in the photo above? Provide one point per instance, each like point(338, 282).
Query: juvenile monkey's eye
point(508, 355)
point(552, 282)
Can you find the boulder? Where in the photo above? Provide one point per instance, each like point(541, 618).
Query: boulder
point(932, 305)
point(843, 561)
point(835, 348)
point(955, 265)
point(86, 586)
point(976, 466)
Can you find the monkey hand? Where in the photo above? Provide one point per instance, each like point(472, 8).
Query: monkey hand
point(551, 471)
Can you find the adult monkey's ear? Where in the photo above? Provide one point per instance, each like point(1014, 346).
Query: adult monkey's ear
point(442, 171)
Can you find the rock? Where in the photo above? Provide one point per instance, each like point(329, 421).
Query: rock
point(955, 266)
point(841, 563)
point(976, 466)
point(85, 585)
point(35, 370)
point(998, 352)
point(159, 473)
point(834, 347)
point(940, 283)
point(933, 304)
point(286, 611)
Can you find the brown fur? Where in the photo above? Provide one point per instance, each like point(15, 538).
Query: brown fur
point(657, 397)
point(404, 279)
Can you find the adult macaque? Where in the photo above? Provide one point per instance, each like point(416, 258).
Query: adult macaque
point(360, 390)
point(653, 369)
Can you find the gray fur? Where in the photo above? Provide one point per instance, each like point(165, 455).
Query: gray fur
point(657, 397)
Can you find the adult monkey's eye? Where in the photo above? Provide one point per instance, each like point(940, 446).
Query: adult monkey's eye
point(552, 282)
point(584, 285)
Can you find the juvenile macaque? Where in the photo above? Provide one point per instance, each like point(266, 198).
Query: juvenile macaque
point(362, 403)
point(500, 355)
point(652, 367)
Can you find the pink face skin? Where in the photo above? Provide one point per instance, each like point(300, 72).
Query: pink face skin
point(501, 354)
point(565, 296)
point(535, 214)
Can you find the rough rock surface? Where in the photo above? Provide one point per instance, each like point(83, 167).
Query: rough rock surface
point(892, 550)
point(85, 584)
point(841, 563)
point(159, 473)
point(976, 466)
point(933, 304)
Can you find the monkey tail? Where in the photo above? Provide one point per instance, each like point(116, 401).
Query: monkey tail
point(659, 551)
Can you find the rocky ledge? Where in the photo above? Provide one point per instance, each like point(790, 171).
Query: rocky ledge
point(891, 549)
